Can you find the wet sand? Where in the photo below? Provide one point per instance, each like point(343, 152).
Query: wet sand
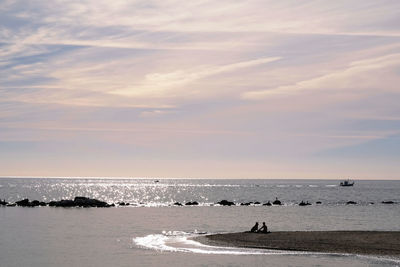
point(355, 242)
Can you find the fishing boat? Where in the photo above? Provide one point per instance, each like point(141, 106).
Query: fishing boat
point(347, 183)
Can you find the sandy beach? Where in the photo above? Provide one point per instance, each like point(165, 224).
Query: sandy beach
point(355, 242)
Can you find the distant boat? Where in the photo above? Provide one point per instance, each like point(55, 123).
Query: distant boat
point(347, 183)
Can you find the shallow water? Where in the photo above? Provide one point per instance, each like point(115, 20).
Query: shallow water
point(158, 236)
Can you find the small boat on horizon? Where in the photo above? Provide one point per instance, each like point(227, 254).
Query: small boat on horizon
point(347, 183)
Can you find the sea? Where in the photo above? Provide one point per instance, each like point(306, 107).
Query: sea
point(152, 231)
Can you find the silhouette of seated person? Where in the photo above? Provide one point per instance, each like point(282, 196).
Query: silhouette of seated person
point(263, 229)
point(255, 228)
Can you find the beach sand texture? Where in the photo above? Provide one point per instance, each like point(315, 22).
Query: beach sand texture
point(355, 242)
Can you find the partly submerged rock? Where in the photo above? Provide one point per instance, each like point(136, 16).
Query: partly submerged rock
point(23, 203)
point(302, 203)
point(79, 202)
point(277, 202)
point(194, 203)
point(225, 203)
point(388, 202)
point(351, 203)
point(267, 204)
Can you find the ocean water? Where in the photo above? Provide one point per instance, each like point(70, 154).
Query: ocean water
point(153, 232)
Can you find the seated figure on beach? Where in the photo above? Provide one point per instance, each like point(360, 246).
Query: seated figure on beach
point(255, 228)
point(263, 229)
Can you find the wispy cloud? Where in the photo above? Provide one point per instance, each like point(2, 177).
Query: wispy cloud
point(162, 84)
point(352, 77)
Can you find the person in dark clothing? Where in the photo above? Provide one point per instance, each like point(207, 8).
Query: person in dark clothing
point(263, 229)
point(255, 228)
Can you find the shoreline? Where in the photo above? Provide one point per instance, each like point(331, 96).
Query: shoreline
point(372, 243)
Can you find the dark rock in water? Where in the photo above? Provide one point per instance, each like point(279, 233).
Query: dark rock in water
point(3, 202)
point(11, 205)
point(121, 203)
point(225, 203)
point(302, 203)
point(127, 203)
point(371, 203)
point(65, 203)
point(23, 203)
point(194, 203)
point(89, 202)
point(246, 204)
point(277, 202)
point(267, 204)
point(79, 202)
point(257, 203)
point(41, 203)
point(318, 202)
point(388, 202)
point(351, 203)
point(34, 203)
point(178, 204)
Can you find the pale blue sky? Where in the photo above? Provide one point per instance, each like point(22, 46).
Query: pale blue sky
point(230, 89)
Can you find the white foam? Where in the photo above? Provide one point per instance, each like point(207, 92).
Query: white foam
point(179, 241)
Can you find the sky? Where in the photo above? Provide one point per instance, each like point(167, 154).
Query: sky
point(200, 89)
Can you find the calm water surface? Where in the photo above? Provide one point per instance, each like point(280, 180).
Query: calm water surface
point(153, 233)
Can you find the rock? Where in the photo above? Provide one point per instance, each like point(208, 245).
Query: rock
point(23, 203)
point(65, 203)
point(246, 204)
point(267, 204)
point(178, 204)
point(257, 203)
point(80, 202)
point(3, 202)
point(302, 203)
point(387, 202)
point(89, 202)
point(277, 202)
point(318, 202)
point(34, 203)
point(194, 203)
point(121, 203)
point(225, 203)
point(42, 203)
point(11, 205)
point(351, 203)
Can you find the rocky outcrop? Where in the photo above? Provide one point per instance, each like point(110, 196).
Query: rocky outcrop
point(80, 202)
point(267, 204)
point(194, 203)
point(351, 203)
point(277, 202)
point(178, 204)
point(302, 203)
point(26, 203)
point(225, 203)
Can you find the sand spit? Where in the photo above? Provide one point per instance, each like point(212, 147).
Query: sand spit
point(380, 243)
